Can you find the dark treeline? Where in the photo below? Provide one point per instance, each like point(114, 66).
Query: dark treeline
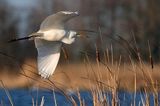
point(127, 26)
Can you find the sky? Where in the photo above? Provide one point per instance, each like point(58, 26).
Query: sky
point(20, 7)
point(22, 3)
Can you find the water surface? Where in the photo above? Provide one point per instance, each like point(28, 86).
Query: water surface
point(25, 97)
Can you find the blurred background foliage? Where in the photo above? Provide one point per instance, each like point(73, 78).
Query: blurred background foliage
point(125, 26)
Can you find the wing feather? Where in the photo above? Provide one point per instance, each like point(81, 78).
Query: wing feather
point(57, 20)
point(48, 56)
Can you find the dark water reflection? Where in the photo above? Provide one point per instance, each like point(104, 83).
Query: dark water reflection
point(23, 97)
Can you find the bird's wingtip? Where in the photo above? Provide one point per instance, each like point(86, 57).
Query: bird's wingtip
point(70, 12)
point(76, 12)
point(44, 75)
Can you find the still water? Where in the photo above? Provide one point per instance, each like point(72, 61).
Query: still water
point(24, 97)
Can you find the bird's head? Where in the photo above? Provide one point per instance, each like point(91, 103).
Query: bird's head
point(72, 34)
point(79, 34)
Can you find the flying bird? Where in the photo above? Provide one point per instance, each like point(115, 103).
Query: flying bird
point(48, 41)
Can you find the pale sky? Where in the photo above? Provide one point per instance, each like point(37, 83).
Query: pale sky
point(22, 3)
point(19, 6)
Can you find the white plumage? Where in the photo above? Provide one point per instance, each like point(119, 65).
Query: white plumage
point(53, 34)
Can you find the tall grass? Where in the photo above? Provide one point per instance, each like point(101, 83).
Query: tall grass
point(99, 77)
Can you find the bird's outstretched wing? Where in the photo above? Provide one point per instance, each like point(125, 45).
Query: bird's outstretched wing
point(57, 20)
point(48, 56)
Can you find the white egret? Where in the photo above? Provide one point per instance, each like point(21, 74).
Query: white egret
point(48, 41)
